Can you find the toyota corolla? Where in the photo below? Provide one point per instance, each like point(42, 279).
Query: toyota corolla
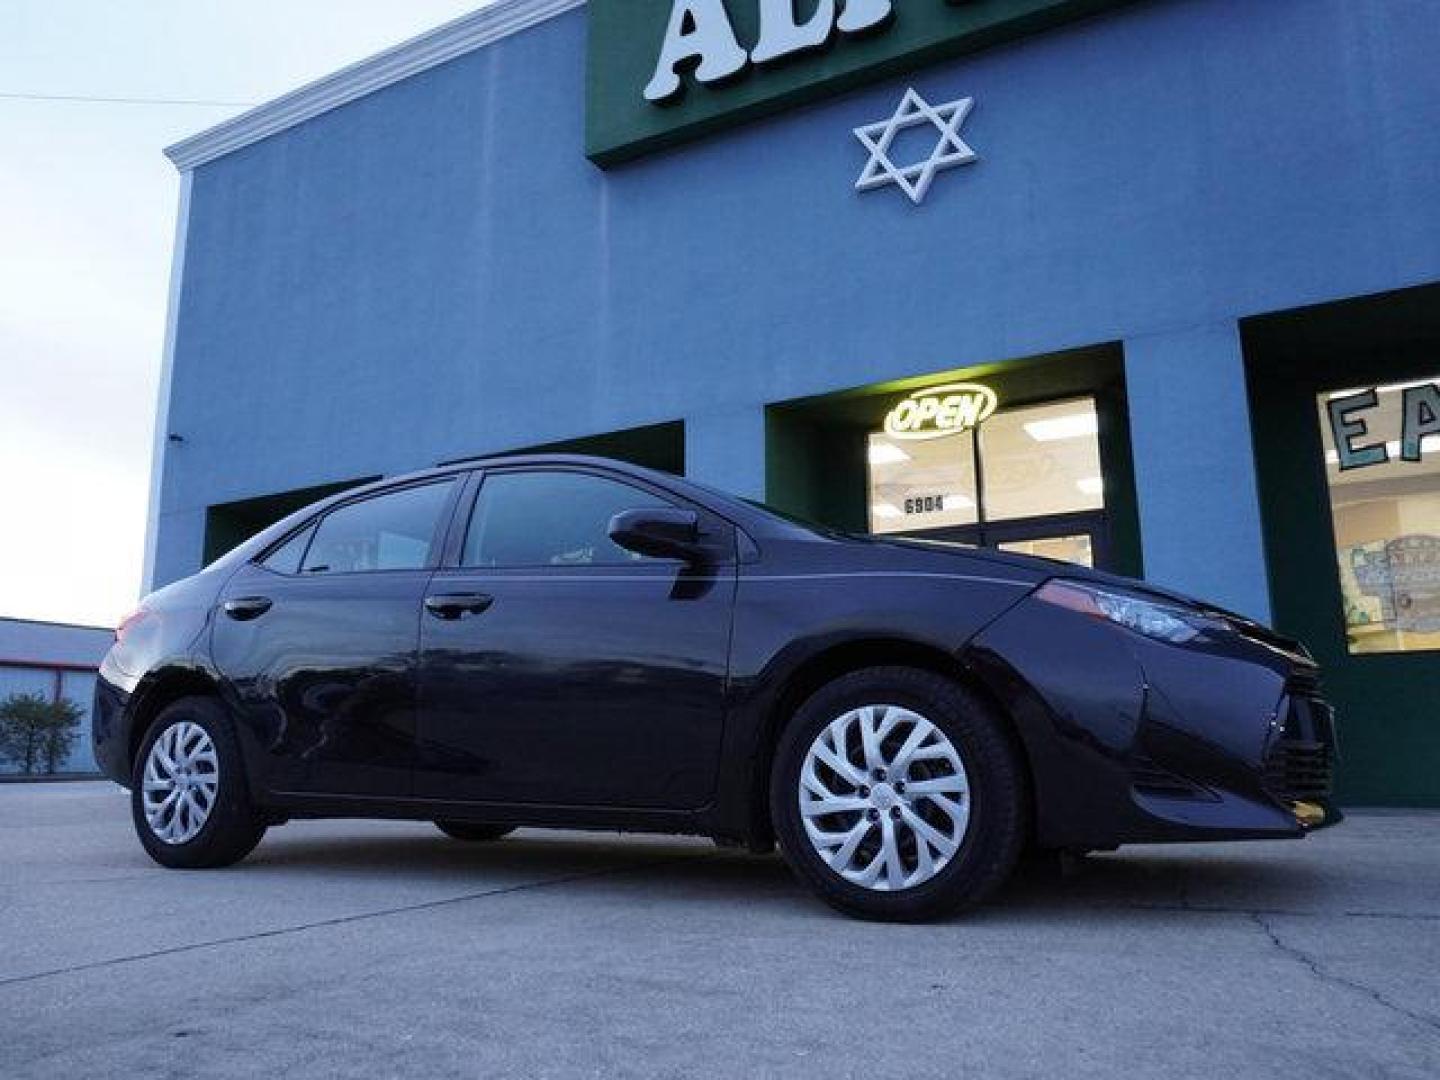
point(578, 643)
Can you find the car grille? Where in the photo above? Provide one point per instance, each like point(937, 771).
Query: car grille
point(1300, 771)
point(1300, 766)
point(1304, 683)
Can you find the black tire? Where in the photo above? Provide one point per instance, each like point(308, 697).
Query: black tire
point(232, 827)
point(998, 822)
point(472, 833)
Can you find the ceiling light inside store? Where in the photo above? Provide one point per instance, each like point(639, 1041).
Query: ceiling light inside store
point(884, 453)
point(1091, 485)
point(1071, 426)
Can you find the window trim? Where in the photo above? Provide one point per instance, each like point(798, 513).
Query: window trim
point(433, 559)
point(311, 525)
point(465, 514)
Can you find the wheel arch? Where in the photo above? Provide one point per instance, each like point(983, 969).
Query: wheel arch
point(158, 691)
point(842, 658)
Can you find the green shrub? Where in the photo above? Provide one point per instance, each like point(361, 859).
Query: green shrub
point(36, 734)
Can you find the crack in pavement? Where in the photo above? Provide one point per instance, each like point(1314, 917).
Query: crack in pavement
point(341, 920)
point(1318, 970)
point(1289, 913)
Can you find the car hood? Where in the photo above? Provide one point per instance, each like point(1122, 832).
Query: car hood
point(1040, 570)
point(1024, 567)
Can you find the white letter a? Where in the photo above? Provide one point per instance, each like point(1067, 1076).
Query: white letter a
point(698, 28)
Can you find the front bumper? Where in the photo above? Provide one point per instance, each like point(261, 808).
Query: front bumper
point(1299, 764)
point(1131, 740)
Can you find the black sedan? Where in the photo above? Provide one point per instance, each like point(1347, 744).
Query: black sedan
point(579, 643)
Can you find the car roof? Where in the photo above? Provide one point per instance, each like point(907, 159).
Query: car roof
point(723, 502)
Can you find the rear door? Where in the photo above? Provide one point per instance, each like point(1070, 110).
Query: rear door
point(318, 642)
point(558, 668)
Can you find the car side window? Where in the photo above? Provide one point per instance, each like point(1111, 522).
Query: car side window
point(285, 559)
point(550, 519)
point(393, 531)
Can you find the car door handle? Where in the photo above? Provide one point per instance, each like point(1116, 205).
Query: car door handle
point(456, 605)
point(247, 607)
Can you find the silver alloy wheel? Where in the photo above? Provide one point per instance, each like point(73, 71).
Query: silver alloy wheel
point(182, 777)
point(884, 797)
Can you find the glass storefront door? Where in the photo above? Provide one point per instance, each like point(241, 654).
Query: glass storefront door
point(1079, 548)
point(1079, 539)
point(1025, 479)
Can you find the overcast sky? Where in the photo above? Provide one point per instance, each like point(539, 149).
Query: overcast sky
point(87, 217)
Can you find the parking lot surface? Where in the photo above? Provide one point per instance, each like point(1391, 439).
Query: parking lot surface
point(377, 949)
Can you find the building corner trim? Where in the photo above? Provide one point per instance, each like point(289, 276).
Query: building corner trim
point(161, 443)
point(496, 20)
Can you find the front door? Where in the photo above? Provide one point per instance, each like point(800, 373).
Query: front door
point(560, 669)
point(317, 645)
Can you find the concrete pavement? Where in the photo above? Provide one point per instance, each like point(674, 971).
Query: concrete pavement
point(344, 949)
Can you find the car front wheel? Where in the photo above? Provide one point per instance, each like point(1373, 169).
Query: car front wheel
point(898, 794)
point(188, 796)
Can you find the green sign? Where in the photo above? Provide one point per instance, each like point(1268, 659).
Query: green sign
point(663, 71)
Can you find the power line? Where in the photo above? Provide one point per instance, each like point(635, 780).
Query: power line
point(83, 99)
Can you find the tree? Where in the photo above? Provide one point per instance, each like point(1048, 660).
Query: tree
point(35, 732)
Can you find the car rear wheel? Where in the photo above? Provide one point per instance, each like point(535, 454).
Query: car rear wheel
point(188, 796)
point(465, 830)
point(897, 794)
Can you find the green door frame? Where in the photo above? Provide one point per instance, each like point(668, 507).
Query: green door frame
point(816, 447)
point(1388, 704)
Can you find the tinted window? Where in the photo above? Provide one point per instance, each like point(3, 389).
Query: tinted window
point(550, 519)
point(285, 559)
point(389, 532)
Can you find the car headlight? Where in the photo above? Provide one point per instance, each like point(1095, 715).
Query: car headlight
point(1152, 617)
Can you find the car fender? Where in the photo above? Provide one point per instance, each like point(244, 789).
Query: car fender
point(788, 627)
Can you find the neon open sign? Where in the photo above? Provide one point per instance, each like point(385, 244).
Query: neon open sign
point(941, 410)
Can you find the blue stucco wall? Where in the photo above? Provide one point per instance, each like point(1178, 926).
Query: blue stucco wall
point(436, 270)
point(1190, 434)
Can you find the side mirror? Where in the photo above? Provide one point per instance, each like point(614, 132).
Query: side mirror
point(660, 532)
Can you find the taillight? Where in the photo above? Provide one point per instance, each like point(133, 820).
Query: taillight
point(129, 623)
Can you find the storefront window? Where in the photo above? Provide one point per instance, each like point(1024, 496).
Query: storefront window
point(1382, 461)
point(997, 482)
point(1075, 549)
point(926, 484)
point(1042, 460)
